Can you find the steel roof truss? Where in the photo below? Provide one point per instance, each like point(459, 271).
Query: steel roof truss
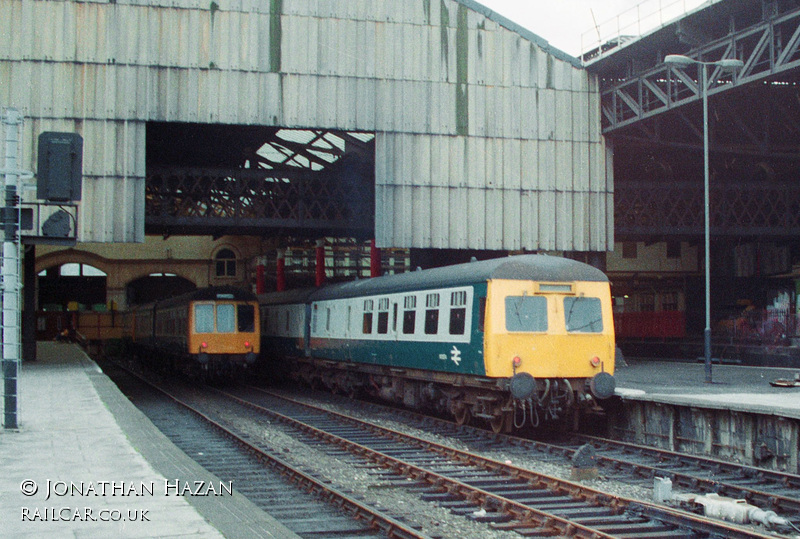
point(761, 47)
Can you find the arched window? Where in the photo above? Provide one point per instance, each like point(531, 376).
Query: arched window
point(225, 263)
point(73, 270)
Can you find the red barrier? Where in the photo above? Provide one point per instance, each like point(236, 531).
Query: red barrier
point(658, 324)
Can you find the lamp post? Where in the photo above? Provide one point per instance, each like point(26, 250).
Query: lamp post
point(731, 64)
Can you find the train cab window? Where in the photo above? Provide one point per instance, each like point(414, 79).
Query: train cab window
point(526, 313)
point(431, 314)
point(383, 316)
point(409, 314)
point(368, 306)
point(583, 315)
point(458, 312)
point(226, 318)
point(204, 318)
point(246, 318)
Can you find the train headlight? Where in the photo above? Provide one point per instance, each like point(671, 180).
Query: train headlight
point(247, 344)
point(517, 361)
point(203, 345)
point(595, 361)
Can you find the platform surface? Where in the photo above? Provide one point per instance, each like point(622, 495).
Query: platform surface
point(732, 387)
point(85, 462)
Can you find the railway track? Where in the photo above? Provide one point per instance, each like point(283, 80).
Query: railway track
point(299, 500)
point(776, 491)
point(632, 464)
point(506, 496)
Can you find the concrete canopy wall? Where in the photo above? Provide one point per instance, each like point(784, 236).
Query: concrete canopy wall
point(486, 137)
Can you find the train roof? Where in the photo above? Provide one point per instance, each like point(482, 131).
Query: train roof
point(520, 267)
point(298, 295)
point(209, 294)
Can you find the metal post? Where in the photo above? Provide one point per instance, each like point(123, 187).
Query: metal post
point(261, 283)
point(374, 260)
point(10, 273)
point(725, 63)
point(706, 198)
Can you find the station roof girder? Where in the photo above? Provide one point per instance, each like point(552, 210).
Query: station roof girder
point(636, 91)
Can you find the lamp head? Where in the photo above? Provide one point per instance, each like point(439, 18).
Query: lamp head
point(679, 60)
point(730, 63)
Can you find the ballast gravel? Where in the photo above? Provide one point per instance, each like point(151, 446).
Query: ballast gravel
point(386, 491)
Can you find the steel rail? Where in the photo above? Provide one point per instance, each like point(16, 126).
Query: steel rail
point(525, 515)
point(770, 500)
point(369, 516)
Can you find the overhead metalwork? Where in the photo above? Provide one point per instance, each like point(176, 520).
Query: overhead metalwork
point(770, 50)
point(486, 137)
point(643, 210)
point(652, 117)
point(257, 181)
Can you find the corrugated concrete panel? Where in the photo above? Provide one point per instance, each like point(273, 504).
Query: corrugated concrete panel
point(436, 200)
point(486, 136)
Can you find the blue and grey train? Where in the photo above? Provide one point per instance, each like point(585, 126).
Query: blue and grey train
point(509, 341)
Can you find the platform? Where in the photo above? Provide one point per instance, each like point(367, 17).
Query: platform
point(739, 416)
point(85, 462)
point(733, 387)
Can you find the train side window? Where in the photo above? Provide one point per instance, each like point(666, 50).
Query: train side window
point(409, 314)
point(458, 312)
point(583, 315)
point(526, 313)
point(203, 318)
point(383, 316)
point(431, 314)
point(226, 318)
point(246, 318)
point(367, 326)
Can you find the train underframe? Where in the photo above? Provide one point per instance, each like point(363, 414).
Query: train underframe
point(504, 404)
point(209, 367)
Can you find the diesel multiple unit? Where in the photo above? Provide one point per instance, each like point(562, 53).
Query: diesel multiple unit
point(215, 330)
point(511, 341)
